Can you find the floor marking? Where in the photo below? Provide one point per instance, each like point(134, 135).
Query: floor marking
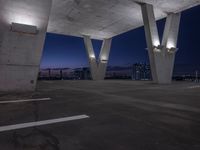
point(194, 87)
point(40, 123)
point(169, 105)
point(25, 100)
point(182, 107)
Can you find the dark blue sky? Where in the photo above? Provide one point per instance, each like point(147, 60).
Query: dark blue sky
point(127, 48)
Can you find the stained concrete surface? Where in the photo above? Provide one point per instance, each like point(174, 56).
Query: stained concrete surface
point(124, 115)
point(21, 52)
point(107, 18)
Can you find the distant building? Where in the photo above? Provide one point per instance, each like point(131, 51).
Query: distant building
point(141, 71)
point(86, 73)
point(55, 74)
point(118, 72)
point(136, 72)
point(82, 73)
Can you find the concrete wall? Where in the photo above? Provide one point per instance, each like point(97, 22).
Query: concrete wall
point(20, 53)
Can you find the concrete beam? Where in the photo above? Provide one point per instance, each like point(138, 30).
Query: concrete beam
point(106, 18)
point(21, 43)
point(98, 67)
point(161, 56)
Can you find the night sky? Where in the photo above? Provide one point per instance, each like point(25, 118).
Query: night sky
point(69, 52)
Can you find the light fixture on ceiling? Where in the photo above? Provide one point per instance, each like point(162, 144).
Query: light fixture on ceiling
point(23, 28)
point(104, 61)
point(171, 47)
point(156, 42)
point(172, 50)
point(158, 48)
point(92, 56)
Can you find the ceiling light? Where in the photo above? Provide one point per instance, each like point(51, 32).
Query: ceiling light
point(23, 28)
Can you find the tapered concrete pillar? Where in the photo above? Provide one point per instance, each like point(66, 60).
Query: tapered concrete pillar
point(23, 26)
point(98, 67)
point(161, 55)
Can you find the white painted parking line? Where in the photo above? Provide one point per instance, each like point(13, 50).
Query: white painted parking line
point(41, 123)
point(25, 100)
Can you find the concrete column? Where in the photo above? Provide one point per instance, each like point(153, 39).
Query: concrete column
point(161, 56)
point(152, 36)
point(23, 26)
point(98, 67)
point(91, 57)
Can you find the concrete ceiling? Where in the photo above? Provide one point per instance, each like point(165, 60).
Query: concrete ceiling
point(106, 18)
point(29, 12)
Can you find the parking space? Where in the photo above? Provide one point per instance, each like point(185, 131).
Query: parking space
point(117, 115)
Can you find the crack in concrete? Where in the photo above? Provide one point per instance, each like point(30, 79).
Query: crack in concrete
point(36, 140)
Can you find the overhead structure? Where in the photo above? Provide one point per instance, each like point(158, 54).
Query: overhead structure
point(103, 19)
point(24, 23)
point(161, 56)
point(97, 66)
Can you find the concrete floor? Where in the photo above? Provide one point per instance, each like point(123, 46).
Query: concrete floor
point(124, 115)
